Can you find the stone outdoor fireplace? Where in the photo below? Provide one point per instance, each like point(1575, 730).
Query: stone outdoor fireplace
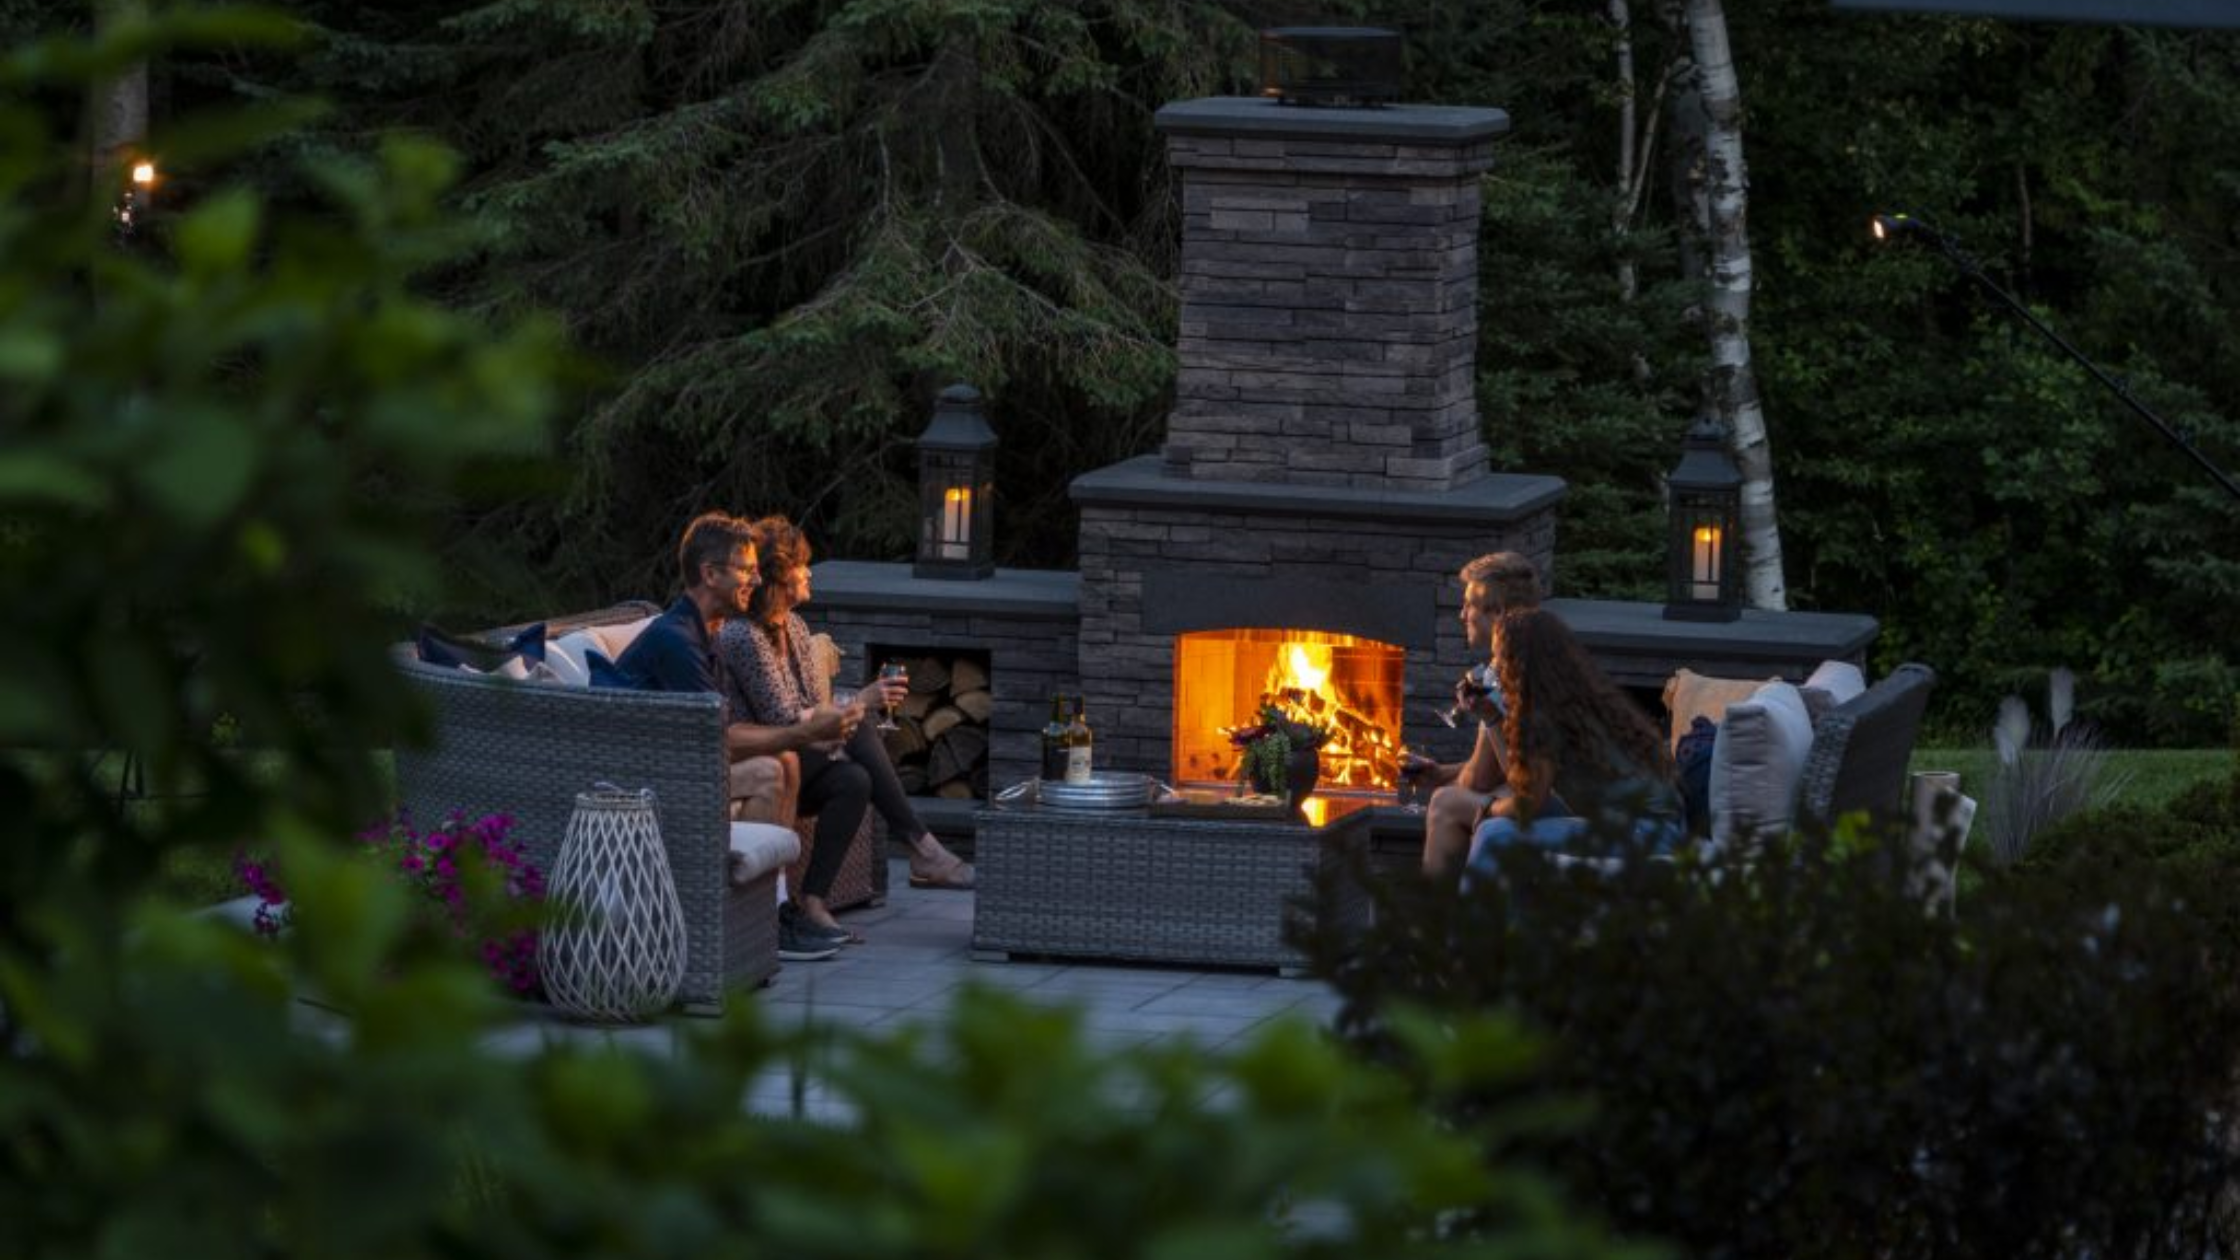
point(1322, 480)
point(1323, 476)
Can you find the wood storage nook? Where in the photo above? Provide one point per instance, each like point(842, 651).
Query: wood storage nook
point(940, 746)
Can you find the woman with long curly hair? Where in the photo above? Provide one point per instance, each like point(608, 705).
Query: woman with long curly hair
point(773, 683)
point(1581, 756)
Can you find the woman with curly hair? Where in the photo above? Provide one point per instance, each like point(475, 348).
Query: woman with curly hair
point(774, 686)
point(1582, 757)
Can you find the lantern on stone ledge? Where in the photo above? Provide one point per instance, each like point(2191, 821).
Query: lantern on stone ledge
point(956, 488)
point(1705, 502)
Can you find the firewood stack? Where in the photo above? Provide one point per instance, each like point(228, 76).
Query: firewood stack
point(941, 747)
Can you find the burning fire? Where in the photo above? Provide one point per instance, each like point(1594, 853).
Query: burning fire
point(1360, 753)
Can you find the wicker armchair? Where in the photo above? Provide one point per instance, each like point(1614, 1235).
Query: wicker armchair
point(526, 749)
point(1860, 750)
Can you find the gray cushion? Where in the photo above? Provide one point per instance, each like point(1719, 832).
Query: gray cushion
point(1756, 765)
point(760, 848)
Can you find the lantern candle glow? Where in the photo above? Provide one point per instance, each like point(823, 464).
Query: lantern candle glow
point(1705, 565)
point(956, 523)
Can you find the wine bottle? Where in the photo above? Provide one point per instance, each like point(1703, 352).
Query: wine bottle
point(1054, 742)
point(1078, 742)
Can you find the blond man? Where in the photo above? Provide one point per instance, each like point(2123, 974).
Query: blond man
point(1492, 584)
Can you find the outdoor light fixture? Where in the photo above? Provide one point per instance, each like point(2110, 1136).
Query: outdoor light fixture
point(956, 489)
point(1888, 227)
point(1330, 65)
point(141, 182)
point(1705, 516)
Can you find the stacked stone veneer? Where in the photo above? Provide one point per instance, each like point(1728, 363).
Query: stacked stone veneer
point(1329, 293)
point(1154, 565)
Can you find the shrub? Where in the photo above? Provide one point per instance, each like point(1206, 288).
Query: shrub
point(1792, 1059)
point(2039, 782)
point(467, 880)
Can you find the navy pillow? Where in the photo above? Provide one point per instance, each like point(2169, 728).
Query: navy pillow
point(1693, 755)
point(451, 651)
point(604, 672)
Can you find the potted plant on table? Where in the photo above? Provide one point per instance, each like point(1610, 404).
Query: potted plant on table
point(1280, 755)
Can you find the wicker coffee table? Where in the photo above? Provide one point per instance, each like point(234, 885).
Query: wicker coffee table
point(1125, 885)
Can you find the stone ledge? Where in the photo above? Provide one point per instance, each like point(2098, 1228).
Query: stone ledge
point(1260, 116)
point(1022, 594)
point(1639, 648)
point(1494, 499)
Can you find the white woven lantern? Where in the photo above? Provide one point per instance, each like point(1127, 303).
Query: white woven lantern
point(617, 952)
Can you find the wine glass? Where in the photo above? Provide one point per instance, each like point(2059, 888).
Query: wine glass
point(896, 670)
point(1477, 681)
point(1410, 791)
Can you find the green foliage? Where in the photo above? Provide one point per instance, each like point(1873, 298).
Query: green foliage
point(1944, 466)
point(176, 1106)
point(224, 451)
point(2194, 838)
point(1790, 1057)
point(216, 453)
point(787, 225)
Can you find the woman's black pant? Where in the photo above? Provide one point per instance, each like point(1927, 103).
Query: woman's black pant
point(839, 791)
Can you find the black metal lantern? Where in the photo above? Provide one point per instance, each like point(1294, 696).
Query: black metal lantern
point(956, 489)
point(1705, 489)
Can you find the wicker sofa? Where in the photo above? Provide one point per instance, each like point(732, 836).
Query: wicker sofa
point(527, 748)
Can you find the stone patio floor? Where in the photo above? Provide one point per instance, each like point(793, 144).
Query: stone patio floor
point(917, 956)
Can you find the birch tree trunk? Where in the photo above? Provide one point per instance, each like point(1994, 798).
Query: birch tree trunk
point(1718, 189)
point(118, 108)
point(1622, 199)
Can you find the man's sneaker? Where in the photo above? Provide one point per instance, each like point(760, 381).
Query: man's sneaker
point(795, 946)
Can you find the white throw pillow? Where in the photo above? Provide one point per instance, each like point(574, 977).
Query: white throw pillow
point(1834, 683)
point(611, 640)
point(1757, 763)
point(1840, 679)
point(566, 657)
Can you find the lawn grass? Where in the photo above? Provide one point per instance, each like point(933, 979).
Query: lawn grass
point(2156, 775)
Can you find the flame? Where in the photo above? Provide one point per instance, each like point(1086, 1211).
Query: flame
point(1302, 667)
point(1299, 684)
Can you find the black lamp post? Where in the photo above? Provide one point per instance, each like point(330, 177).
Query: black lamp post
point(1889, 227)
point(956, 489)
point(1705, 491)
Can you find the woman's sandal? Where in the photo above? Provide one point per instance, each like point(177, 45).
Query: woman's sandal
point(944, 871)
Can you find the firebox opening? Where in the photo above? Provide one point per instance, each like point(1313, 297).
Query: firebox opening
point(1350, 685)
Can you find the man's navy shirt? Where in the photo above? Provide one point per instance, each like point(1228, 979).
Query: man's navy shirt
point(672, 653)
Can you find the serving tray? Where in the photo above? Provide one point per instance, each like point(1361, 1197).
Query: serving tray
point(1105, 790)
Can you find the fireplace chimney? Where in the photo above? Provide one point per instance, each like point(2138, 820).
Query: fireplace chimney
point(1329, 293)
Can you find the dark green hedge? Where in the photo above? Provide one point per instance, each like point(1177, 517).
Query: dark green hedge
point(1792, 1058)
